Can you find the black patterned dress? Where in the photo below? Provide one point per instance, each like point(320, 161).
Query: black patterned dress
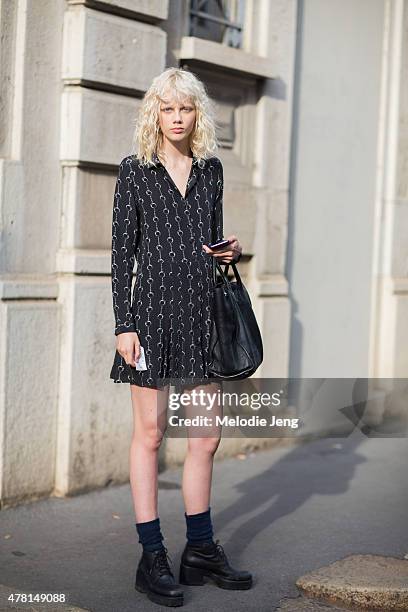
point(170, 305)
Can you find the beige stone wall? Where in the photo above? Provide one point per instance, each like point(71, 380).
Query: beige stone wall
point(73, 79)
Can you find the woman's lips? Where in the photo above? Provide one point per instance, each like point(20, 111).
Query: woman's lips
point(177, 130)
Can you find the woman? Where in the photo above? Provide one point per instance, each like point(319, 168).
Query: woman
point(167, 210)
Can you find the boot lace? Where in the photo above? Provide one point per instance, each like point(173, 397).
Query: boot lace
point(220, 550)
point(161, 561)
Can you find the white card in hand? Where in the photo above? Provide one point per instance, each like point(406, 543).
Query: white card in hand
point(141, 362)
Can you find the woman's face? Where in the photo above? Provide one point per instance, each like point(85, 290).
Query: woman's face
point(176, 119)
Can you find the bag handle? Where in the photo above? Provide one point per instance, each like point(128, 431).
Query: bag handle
point(224, 273)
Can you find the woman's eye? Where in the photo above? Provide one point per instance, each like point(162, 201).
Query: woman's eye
point(188, 109)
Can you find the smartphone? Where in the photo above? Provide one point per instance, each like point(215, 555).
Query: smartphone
point(218, 245)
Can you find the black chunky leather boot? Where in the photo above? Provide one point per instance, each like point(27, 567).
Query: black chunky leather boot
point(155, 578)
point(210, 560)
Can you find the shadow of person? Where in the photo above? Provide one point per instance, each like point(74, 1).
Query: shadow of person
point(321, 467)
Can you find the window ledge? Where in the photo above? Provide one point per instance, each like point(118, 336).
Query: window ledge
point(214, 54)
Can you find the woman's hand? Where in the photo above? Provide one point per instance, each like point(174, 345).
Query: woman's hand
point(231, 252)
point(128, 346)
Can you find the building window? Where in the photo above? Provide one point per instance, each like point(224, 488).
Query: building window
point(218, 20)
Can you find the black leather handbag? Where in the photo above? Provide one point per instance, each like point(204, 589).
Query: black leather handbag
point(235, 349)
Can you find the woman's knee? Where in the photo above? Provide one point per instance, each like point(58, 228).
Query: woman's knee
point(206, 445)
point(149, 417)
point(149, 438)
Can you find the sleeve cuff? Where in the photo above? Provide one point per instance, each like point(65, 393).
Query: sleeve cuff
point(121, 329)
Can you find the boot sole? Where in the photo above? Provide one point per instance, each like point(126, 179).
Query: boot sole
point(194, 576)
point(164, 600)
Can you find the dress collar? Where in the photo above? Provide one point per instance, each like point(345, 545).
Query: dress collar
point(195, 163)
point(194, 174)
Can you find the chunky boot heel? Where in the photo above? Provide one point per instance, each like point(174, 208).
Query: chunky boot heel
point(191, 575)
point(210, 561)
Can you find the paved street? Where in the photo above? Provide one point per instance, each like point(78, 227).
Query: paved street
point(279, 513)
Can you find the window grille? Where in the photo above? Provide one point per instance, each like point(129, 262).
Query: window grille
point(218, 20)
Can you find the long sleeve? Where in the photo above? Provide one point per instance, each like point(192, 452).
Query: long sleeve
point(218, 208)
point(125, 231)
point(218, 225)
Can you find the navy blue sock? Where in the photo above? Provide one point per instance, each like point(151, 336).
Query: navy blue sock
point(199, 528)
point(150, 536)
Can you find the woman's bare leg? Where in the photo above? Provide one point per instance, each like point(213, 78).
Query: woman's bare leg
point(149, 424)
point(198, 465)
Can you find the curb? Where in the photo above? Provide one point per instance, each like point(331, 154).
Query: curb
point(362, 581)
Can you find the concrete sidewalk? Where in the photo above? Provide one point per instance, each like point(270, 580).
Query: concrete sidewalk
point(279, 513)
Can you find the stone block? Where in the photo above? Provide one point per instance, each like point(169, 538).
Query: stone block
point(95, 413)
point(96, 127)
point(273, 316)
point(86, 222)
point(110, 50)
point(29, 332)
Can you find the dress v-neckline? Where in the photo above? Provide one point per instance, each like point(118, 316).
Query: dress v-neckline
point(188, 179)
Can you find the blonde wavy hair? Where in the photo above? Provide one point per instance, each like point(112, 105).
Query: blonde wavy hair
point(180, 84)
